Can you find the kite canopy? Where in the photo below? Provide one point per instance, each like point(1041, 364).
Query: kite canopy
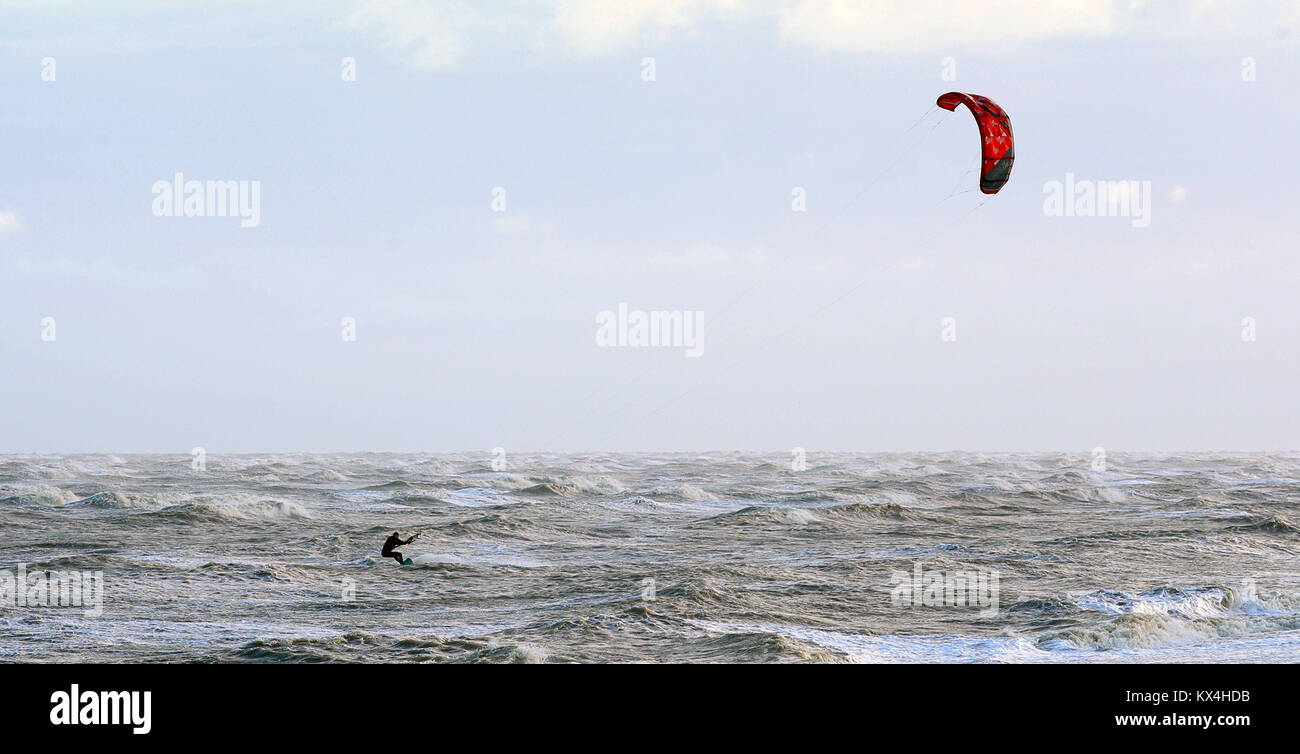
point(995, 134)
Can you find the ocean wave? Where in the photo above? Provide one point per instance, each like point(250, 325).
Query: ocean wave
point(574, 486)
point(477, 497)
point(390, 486)
point(887, 649)
point(683, 491)
point(112, 500)
point(305, 650)
point(36, 494)
point(757, 646)
point(636, 503)
point(1197, 603)
point(1273, 524)
point(257, 510)
point(443, 560)
point(497, 524)
point(874, 511)
point(360, 646)
point(766, 514)
point(549, 489)
point(698, 591)
point(1136, 631)
point(1170, 616)
point(241, 571)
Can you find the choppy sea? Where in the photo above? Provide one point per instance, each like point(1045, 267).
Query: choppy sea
point(717, 557)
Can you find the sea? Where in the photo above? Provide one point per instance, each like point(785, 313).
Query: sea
point(712, 557)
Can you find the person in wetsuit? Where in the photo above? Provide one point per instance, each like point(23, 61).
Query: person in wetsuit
point(394, 541)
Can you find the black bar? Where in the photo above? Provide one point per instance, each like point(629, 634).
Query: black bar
point(298, 704)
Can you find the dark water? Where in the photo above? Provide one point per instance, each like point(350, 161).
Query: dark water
point(276, 558)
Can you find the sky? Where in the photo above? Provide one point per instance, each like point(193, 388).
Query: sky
point(452, 197)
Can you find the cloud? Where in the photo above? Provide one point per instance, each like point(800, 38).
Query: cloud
point(430, 35)
point(441, 34)
point(595, 26)
point(904, 26)
point(9, 221)
point(438, 35)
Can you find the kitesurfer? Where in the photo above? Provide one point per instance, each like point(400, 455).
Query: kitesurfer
point(394, 541)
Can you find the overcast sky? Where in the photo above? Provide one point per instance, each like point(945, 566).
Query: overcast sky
point(648, 153)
